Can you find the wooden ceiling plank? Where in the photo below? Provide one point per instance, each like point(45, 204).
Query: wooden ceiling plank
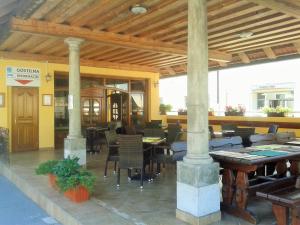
point(280, 6)
point(297, 46)
point(64, 60)
point(26, 8)
point(244, 57)
point(264, 38)
point(91, 12)
point(125, 15)
point(106, 49)
point(13, 40)
point(78, 6)
point(44, 9)
point(52, 29)
point(43, 46)
point(263, 31)
point(154, 59)
point(133, 59)
point(111, 14)
point(170, 70)
point(249, 25)
point(157, 18)
point(163, 24)
point(28, 44)
point(289, 39)
point(160, 9)
point(269, 53)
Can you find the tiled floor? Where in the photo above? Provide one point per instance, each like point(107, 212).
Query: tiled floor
point(153, 205)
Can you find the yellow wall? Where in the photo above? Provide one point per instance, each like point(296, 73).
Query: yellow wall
point(46, 113)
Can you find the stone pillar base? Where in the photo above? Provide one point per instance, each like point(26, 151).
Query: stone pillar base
point(204, 220)
point(75, 147)
point(198, 192)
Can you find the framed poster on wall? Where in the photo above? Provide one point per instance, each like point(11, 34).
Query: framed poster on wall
point(47, 100)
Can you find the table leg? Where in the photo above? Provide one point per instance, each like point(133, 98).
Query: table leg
point(242, 184)
point(294, 167)
point(227, 189)
point(295, 217)
point(281, 214)
point(281, 168)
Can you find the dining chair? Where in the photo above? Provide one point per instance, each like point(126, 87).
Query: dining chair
point(161, 153)
point(131, 155)
point(130, 130)
point(154, 132)
point(228, 126)
point(112, 147)
point(273, 128)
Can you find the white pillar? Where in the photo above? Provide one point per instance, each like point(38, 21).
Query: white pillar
point(74, 143)
point(198, 191)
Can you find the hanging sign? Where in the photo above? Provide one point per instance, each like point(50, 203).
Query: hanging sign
point(21, 76)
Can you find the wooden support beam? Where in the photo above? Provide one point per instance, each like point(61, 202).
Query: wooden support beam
point(83, 62)
point(270, 53)
point(51, 29)
point(244, 57)
point(223, 64)
point(297, 46)
point(283, 6)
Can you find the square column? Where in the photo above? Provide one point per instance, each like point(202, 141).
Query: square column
point(198, 191)
point(74, 144)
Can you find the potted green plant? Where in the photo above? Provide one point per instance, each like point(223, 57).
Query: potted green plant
point(164, 108)
point(76, 182)
point(47, 168)
point(235, 111)
point(276, 112)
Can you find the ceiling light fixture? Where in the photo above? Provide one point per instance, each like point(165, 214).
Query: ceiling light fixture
point(138, 9)
point(245, 34)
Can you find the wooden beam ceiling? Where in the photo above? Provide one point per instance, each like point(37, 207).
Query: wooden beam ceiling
point(127, 41)
point(83, 62)
point(288, 7)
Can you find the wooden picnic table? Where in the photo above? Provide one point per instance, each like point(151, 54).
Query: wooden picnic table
point(237, 188)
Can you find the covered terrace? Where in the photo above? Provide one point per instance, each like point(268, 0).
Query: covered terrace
point(152, 39)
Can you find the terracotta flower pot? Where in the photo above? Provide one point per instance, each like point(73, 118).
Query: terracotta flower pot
point(52, 180)
point(78, 194)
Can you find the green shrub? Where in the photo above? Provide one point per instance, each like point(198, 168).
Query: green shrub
point(69, 174)
point(46, 167)
point(83, 177)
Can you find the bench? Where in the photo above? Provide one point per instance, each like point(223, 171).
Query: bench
point(284, 197)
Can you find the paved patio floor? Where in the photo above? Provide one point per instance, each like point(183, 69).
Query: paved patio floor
point(153, 205)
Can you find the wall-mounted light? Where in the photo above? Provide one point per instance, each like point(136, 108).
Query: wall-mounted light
point(48, 77)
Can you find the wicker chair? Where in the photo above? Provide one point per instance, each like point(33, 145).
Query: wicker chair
point(130, 130)
point(131, 154)
point(284, 137)
point(161, 153)
point(154, 132)
point(112, 147)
